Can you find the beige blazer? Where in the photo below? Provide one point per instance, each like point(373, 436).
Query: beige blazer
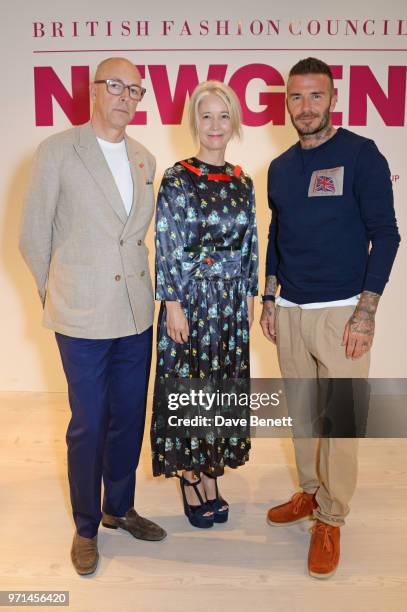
point(87, 256)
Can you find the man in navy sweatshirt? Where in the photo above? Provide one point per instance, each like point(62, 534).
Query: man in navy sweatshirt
point(332, 242)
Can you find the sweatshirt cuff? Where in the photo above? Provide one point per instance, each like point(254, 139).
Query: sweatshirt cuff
point(375, 284)
point(271, 270)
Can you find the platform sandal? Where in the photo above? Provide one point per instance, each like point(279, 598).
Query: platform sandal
point(195, 514)
point(220, 516)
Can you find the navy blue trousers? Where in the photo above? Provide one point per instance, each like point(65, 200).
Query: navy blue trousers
point(107, 387)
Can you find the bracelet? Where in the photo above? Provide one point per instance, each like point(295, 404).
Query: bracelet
point(268, 298)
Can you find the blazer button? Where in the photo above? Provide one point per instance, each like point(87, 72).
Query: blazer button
point(142, 273)
point(139, 242)
point(117, 277)
point(121, 242)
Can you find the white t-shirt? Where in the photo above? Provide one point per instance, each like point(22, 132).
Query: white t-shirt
point(116, 156)
point(352, 301)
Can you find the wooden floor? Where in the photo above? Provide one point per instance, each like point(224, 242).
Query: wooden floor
point(243, 565)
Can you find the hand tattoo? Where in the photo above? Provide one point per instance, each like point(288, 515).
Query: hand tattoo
point(268, 314)
point(363, 319)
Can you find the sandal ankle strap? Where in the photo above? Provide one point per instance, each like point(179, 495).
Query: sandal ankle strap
point(194, 484)
point(188, 482)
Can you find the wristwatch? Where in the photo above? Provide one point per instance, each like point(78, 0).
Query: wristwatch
point(267, 298)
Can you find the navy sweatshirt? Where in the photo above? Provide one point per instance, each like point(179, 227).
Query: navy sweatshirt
point(333, 231)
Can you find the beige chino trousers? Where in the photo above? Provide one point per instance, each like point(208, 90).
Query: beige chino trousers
point(309, 345)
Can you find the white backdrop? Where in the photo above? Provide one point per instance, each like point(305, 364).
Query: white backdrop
point(29, 359)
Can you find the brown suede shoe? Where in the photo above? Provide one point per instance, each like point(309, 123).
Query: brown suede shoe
point(324, 550)
point(84, 554)
point(299, 508)
point(139, 527)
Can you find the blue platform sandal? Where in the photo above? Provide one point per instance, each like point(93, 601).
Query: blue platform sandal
point(220, 516)
point(195, 514)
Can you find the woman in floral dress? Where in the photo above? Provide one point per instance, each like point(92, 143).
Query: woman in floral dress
point(206, 277)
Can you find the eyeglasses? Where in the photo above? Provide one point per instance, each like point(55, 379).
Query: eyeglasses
point(116, 88)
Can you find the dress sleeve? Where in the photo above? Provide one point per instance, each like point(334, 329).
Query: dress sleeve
point(170, 237)
point(250, 263)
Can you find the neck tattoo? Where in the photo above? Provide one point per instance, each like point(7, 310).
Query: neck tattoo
point(310, 141)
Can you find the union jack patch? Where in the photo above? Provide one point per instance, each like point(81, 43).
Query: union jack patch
point(327, 182)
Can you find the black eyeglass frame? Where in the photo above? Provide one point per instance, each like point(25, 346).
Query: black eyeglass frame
point(108, 81)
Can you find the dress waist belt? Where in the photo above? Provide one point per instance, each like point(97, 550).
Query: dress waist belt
point(210, 248)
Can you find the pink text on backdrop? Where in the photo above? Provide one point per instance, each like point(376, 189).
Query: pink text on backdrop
point(363, 86)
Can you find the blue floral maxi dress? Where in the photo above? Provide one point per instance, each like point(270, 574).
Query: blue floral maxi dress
point(207, 259)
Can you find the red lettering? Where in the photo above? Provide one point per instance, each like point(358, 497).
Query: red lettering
point(258, 30)
point(171, 108)
point(400, 32)
point(142, 28)
point(38, 29)
point(274, 101)
point(363, 84)
point(273, 26)
point(140, 117)
point(167, 27)
point(74, 100)
point(351, 25)
point(365, 30)
point(48, 86)
point(337, 72)
point(185, 29)
point(290, 28)
point(204, 27)
point(92, 26)
point(222, 27)
point(125, 28)
point(330, 32)
point(314, 30)
point(57, 29)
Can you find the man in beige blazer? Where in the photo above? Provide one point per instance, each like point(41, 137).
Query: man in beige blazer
point(89, 204)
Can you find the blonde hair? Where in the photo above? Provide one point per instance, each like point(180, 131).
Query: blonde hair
point(228, 96)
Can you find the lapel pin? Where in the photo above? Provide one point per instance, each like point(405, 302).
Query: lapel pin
point(141, 165)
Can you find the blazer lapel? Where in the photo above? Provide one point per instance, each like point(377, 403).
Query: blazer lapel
point(137, 213)
point(91, 154)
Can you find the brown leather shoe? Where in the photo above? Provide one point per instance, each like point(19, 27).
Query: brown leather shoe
point(299, 508)
point(139, 527)
point(84, 554)
point(324, 550)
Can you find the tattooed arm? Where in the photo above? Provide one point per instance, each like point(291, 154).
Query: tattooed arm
point(373, 190)
point(268, 315)
point(359, 330)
